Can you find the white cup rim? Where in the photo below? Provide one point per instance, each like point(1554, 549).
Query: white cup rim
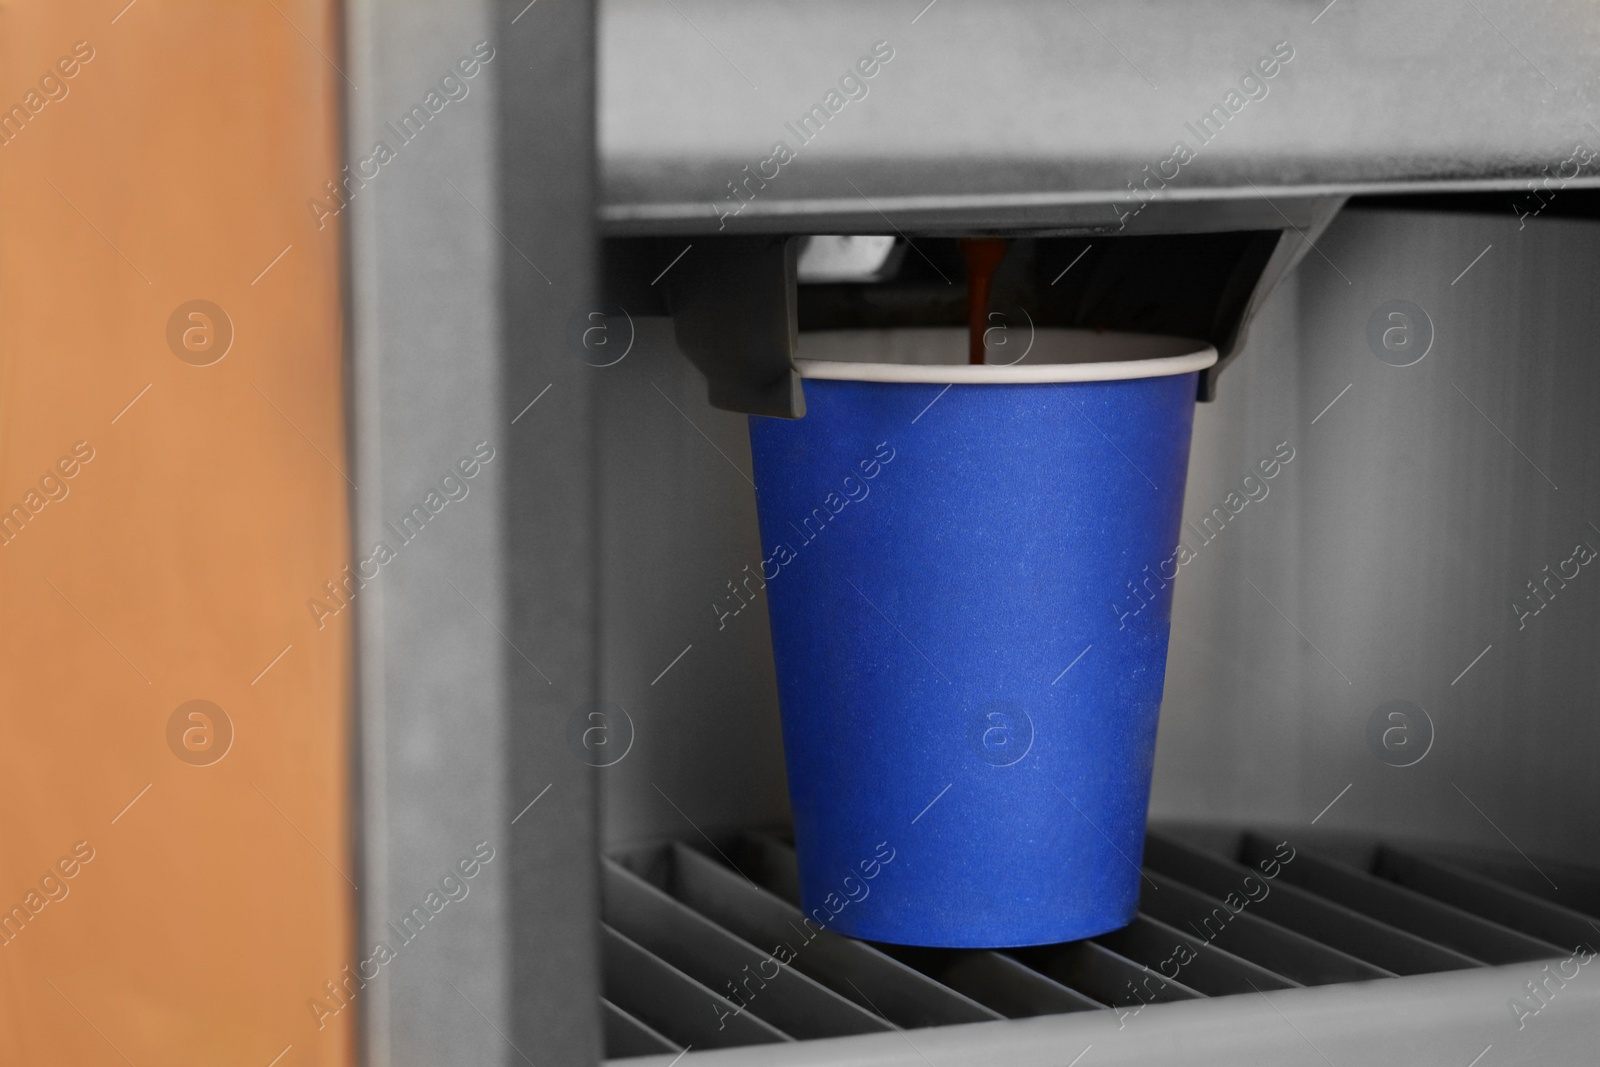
point(937, 355)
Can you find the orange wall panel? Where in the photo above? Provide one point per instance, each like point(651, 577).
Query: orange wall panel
point(206, 503)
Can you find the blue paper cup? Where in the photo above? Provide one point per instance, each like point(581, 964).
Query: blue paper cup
point(969, 572)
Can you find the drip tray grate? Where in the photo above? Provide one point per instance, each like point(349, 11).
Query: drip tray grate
point(705, 952)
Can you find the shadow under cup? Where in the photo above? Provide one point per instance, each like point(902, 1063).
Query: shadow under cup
point(969, 572)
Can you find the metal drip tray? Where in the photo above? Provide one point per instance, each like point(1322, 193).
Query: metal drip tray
point(709, 950)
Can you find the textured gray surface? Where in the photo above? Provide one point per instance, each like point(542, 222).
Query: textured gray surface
point(679, 522)
point(458, 731)
point(546, 171)
point(1031, 110)
point(1397, 541)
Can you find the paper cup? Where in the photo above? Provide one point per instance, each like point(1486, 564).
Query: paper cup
point(969, 572)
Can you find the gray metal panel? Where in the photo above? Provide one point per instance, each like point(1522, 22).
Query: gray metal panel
point(548, 274)
point(432, 700)
point(1429, 1019)
point(678, 526)
point(458, 733)
point(1026, 111)
point(1385, 562)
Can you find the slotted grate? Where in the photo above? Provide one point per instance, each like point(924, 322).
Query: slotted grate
point(702, 954)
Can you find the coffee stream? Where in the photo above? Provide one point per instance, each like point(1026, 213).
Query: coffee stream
point(983, 255)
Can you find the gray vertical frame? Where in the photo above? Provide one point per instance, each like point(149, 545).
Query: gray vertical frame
point(454, 332)
point(547, 199)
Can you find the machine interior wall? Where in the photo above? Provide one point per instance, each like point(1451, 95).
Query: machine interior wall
point(1416, 511)
point(1383, 559)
